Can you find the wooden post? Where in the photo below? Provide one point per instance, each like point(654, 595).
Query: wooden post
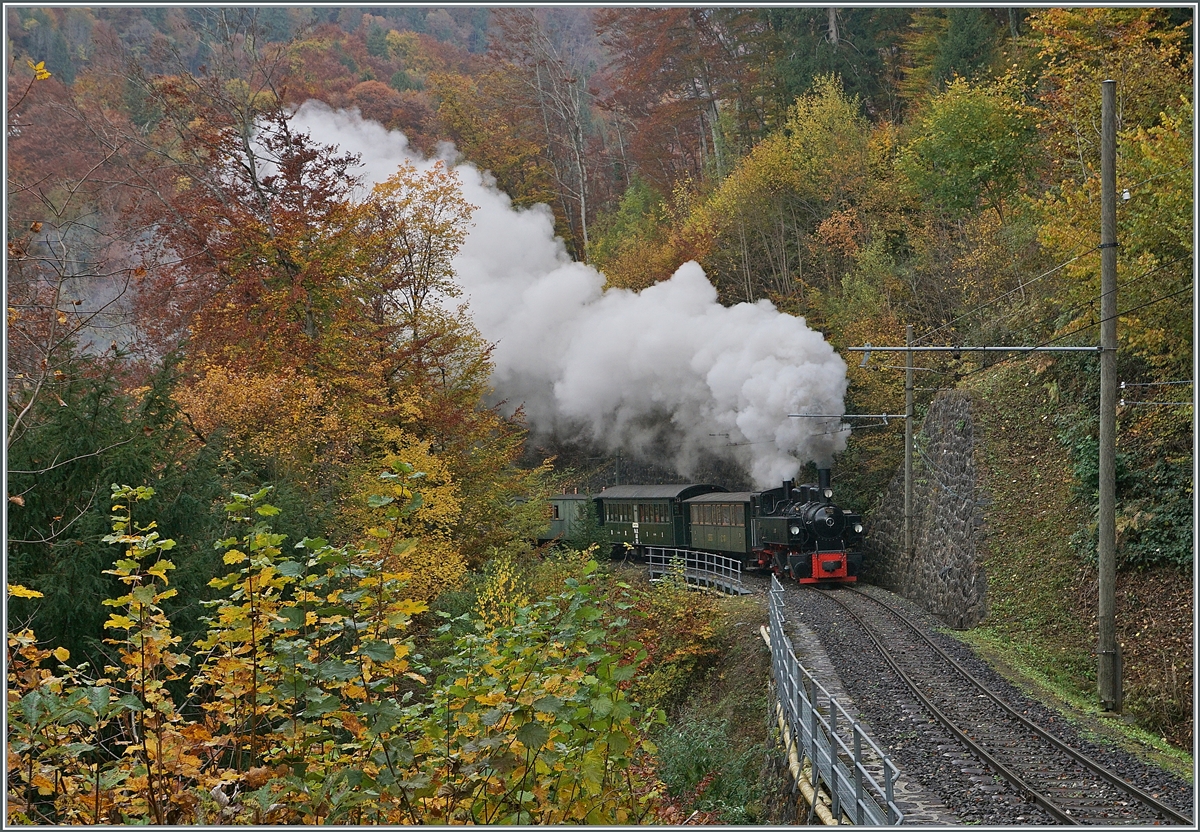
point(1108, 672)
point(908, 445)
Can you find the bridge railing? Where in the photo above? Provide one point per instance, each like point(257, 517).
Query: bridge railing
point(834, 742)
point(700, 568)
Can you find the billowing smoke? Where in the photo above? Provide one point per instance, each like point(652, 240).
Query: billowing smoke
point(665, 370)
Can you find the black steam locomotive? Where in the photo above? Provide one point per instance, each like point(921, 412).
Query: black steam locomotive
point(796, 531)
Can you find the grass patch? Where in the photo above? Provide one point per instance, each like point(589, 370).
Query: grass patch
point(1027, 669)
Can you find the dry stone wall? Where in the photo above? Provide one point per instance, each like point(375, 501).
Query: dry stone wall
point(943, 573)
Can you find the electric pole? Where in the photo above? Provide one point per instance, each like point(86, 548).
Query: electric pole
point(908, 444)
point(1108, 671)
point(909, 413)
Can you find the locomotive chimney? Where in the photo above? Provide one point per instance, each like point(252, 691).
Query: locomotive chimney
point(823, 480)
point(787, 489)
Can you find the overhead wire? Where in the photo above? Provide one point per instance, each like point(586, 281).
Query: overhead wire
point(988, 303)
point(998, 298)
point(1086, 327)
point(1123, 285)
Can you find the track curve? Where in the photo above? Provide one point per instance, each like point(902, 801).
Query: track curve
point(1066, 784)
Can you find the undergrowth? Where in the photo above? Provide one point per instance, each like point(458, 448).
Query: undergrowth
point(1037, 458)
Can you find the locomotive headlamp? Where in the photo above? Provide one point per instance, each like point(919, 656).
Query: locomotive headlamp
point(794, 530)
point(858, 528)
point(828, 493)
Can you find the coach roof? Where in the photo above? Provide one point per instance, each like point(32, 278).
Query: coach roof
point(676, 491)
point(723, 497)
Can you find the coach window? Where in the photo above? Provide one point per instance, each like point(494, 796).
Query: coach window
point(739, 515)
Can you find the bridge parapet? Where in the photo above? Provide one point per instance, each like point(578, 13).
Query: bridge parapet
point(698, 568)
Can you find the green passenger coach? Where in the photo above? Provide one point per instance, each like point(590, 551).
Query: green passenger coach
point(567, 515)
point(647, 515)
point(720, 522)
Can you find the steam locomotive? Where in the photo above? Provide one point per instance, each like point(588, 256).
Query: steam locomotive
point(795, 531)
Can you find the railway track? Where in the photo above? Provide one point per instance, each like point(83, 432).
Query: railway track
point(1069, 786)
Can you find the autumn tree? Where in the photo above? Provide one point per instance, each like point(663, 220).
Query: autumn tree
point(308, 702)
point(472, 111)
point(554, 95)
point(789, 208)
point(83, 407)
point(675, 75)
point(859, 45)
point(974, 147)
point(1143, 51)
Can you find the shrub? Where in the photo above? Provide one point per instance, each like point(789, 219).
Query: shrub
point(307, 705)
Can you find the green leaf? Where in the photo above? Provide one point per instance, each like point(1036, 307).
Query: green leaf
point(602, 706)
point(618, 742)
point(533, 734)
point(99, 697)
point(337, 670)
point(321, 704)
point(623, 673)
point(266, 510)
point(415, 503)
point(548, 705)
point(290, 568)
point(129, 702)
point(144, 594)
point(379, 651)
point(294, 616)
point(379, 501)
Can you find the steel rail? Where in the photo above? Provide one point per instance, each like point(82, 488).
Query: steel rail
point(1077, 756)
point(979, 751)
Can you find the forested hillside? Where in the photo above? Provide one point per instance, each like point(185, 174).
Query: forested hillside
point(204, 300)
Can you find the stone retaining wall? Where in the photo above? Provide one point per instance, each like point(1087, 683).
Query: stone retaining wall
point(943, 574)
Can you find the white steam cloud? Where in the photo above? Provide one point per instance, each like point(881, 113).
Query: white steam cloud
point(665, 370)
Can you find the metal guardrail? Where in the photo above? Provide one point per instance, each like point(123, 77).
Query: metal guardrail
point(701, 568)
point(832, 740)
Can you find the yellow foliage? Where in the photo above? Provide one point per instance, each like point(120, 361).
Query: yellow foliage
point(285, 413)
point(431, 567)
point(428, 556)
point(501, 595)
point(23, 592)
point(40, 72)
